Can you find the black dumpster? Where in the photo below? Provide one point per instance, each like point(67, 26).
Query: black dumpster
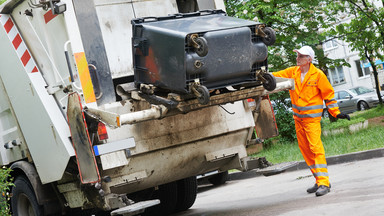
point(196, 52)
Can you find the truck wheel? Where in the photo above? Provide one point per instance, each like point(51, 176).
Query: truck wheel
point(23, 201)
point(219, 178)
point(167, 194)
point(270, 36)
point(186, 193)
point(270, 83)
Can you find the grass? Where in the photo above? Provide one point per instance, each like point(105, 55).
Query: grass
point(356, 117)
point(371, 113)
point(342, 123)
point(365, 139)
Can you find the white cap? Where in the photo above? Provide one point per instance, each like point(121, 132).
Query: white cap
point(306, 50)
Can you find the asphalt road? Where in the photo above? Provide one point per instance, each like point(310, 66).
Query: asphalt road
point(357, 189)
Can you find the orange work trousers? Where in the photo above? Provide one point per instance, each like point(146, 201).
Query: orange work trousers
point(311, 147)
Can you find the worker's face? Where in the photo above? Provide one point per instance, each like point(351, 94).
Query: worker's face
point(302, 60)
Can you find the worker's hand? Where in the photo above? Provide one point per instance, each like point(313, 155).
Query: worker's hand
point(343, 116)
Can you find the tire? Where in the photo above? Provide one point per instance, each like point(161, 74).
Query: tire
point(270, 83)
point(23, 201)
point(186, 193)
point(203, 46)
point(362, 105)
point(219, 179)
point(204, 95)
point(270, 36)
point(325, 113)
point(167, 194)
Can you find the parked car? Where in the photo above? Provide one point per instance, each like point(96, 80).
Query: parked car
point(356, 99)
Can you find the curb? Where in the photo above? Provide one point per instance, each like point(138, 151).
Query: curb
point(332, 160)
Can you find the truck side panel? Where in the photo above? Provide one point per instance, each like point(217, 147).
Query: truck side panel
point(166, 165)
point(178, 146)
point(183, 128)
point(44, 126)
point(10, 134)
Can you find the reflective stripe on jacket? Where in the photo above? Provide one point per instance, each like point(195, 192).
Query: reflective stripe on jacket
point(309, 96)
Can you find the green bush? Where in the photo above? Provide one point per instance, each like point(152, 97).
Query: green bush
point(5, 185)
point(284, 116)
point(2, 1)
point(285, 124)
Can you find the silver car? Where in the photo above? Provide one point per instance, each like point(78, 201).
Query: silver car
point(357, 98)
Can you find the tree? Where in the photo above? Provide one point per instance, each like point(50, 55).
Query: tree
point(364, 32)
point(297, 23)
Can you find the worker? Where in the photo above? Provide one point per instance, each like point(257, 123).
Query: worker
point(312, 89)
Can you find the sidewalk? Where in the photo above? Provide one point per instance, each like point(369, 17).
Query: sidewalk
point(338, 159)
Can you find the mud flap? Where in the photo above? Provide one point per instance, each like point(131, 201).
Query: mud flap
point(86, 162)
point(265, 123)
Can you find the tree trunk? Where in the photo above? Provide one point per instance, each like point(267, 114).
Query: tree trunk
point(375, 75)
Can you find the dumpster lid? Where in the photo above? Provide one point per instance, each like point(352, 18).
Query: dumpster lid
point(194, 22)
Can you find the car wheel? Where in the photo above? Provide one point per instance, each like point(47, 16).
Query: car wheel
point(325, 113)
point(362, 105)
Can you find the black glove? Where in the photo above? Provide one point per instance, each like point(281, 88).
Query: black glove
point(343, 116)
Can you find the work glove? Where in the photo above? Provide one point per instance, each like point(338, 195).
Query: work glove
point(343, 116)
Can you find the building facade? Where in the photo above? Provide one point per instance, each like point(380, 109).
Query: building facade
point(360, 73)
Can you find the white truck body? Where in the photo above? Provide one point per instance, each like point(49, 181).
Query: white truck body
point(35, 137)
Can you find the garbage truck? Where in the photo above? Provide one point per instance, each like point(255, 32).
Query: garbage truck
point(116, 106)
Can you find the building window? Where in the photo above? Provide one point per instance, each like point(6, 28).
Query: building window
point(331, 44)
point(336, 75)
point(361, 70)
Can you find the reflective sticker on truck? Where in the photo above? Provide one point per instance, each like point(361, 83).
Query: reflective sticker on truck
point(49, 16)
point(18, 44)
point(85, 77)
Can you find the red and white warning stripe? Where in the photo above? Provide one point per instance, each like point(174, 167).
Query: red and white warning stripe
point(18, 43)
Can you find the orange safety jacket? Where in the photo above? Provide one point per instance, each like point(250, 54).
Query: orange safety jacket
point(309, 96)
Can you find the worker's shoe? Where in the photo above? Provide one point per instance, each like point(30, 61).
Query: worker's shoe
point(322, 190)
point(313, 189)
